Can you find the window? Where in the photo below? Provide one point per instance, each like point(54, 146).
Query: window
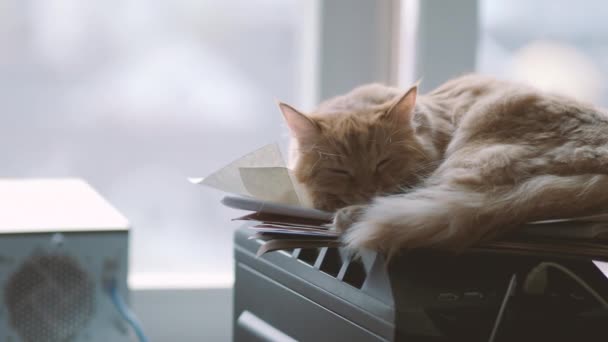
point(556, 45)
point(135, 96)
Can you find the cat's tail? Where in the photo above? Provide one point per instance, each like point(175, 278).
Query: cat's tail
point(454, 217)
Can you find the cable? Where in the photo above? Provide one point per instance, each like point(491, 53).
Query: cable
point(501, 311)
point(536, 281)
point(125, 312)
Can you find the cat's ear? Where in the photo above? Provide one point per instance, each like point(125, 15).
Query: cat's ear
point(403, 109)
point(300, 126)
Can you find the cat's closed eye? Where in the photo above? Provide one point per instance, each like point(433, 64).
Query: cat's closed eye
point(382, 163)
point(339, 172)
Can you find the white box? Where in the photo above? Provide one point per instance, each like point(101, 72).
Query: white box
point(60, 245)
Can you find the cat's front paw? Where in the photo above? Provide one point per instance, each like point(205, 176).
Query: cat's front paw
point(364, 235)
point(348, 216)
point(357, 232)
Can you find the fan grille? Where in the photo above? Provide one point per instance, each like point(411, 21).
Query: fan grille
point(49, 298)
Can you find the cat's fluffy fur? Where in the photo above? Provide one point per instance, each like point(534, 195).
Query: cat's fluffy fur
point(469, 160)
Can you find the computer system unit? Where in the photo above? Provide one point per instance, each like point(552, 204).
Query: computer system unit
point(324, 294)
point(63, 253)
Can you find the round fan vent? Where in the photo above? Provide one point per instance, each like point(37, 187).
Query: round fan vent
point(49, 298)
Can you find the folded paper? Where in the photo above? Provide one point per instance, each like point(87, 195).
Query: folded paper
point(261, 174)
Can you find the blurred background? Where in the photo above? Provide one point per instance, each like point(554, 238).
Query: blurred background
point(556, 45)
point(134, 96)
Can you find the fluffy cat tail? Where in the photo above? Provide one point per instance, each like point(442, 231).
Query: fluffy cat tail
point(454, 217)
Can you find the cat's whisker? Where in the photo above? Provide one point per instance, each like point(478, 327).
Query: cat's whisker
point(312, 168)
point(329, 154)
point(389, 139)
point(429, 165)
point(411, 147)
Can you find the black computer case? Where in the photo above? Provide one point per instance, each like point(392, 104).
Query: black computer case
point(325, 295)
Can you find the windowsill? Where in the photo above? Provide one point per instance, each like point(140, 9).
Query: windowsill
point(185, 307)
point(177, 281)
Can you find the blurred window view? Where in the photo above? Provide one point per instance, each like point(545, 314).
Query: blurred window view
point(556, 45)
point(134, 96)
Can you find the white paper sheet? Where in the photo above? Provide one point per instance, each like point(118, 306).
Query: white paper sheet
point(261, 174)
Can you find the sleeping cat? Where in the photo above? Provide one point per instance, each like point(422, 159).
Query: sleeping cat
point(470, 160)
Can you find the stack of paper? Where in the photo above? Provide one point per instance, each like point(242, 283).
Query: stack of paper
point(284, 226)
point(265, 187)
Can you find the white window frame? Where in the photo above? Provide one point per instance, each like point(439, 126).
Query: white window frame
point(341, 50)
point(440, 40)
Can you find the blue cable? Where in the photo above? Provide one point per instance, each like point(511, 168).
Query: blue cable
point(126, 313)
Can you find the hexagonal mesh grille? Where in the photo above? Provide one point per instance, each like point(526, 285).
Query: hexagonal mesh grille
point(49, 298)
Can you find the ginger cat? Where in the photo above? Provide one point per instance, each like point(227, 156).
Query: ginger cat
point(470, 160)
